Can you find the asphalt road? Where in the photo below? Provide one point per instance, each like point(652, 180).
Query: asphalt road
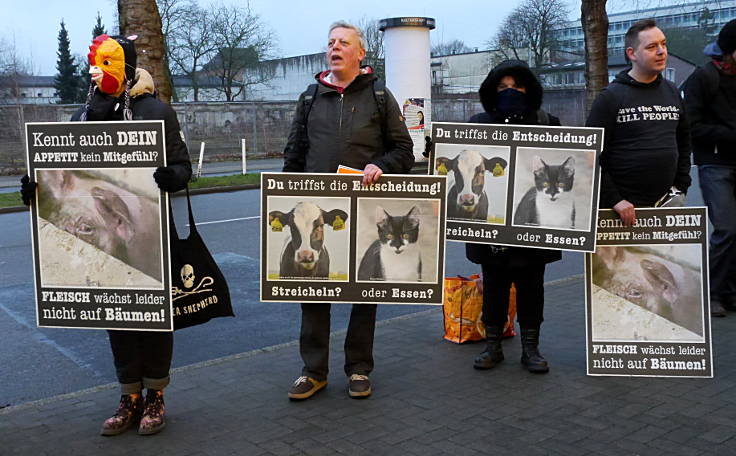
point(41, 362)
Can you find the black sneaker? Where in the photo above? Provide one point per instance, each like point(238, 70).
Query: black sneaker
point(359, 386)
point(716, 309)
point(304, 387)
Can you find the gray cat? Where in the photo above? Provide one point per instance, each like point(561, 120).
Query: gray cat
point(395, 255)
point(550, 202)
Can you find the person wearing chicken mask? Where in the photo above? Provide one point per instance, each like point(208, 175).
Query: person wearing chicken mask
point(120, 91)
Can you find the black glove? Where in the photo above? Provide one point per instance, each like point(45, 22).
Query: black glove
point(427, 146)
point(27, 190)
point(172, 178)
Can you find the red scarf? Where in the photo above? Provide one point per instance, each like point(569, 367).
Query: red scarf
point(725, 67)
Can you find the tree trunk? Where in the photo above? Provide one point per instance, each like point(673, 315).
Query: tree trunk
point(595, 29)
point(141, 17)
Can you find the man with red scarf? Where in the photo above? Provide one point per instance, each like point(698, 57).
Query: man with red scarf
point(710, 101)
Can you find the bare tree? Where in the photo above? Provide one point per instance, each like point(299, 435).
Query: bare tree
point(243, 42)
point(141, 17)
point(13, 68)
point(451, 47)
point(192, 45)
point(374, 42)
point(595, 31)
point(530, 30)
point(175, 17)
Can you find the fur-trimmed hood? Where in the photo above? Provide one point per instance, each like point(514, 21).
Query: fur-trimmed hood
point(520, 71)
point(143, 83)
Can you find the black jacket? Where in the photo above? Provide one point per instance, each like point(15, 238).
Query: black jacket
point(711, 109)
point(345, 129)
point(646, 147)
point(145, 107)
point(516, 257)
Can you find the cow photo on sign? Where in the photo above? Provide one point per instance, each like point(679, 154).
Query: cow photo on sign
point(477, 184)
point(396, 240)
point(657, 287)
point(313, 232)
point(99, 227)
point(552, 188)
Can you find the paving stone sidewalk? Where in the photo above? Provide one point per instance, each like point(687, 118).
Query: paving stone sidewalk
point(428, 400)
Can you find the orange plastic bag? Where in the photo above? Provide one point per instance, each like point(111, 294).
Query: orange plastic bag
point(463, 309)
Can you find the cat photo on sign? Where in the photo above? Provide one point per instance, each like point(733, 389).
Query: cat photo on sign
point(647, 292)
point(553, 188)
point(308, 238)
point(398, 240)
point(477, 181)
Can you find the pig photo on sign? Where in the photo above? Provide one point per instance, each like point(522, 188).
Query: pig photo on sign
point(116, 211)
point(307, 238)
point(655, 282)
point(477, 181)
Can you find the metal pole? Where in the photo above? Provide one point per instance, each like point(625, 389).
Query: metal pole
point(201, 158)
point(242, 148)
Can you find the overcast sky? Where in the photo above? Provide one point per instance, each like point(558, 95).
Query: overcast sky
point(299, 26)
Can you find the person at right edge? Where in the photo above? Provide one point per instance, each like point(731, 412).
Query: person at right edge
point(512, 94)
point(710, 101)
point(646, 146)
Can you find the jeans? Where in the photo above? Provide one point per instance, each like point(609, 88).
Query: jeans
point(718, 184)
point(142, 359)
point(529, 281)
point(314, 340)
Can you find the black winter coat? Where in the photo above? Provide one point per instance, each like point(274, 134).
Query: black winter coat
point(145, 107)
point(345, 129)
point(499, 256)
point(712, 115)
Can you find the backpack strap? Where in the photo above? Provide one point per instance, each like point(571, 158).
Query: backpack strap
point(379, 95)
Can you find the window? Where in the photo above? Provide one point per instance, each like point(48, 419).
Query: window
point(669, 74)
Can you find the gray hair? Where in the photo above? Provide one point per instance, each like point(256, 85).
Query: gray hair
point(355, 28)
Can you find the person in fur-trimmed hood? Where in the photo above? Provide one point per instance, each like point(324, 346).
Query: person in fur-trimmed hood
point(512, 94)
point(120, 91)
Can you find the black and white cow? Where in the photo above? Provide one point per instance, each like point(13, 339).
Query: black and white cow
point(305, 254)
point(467, 199)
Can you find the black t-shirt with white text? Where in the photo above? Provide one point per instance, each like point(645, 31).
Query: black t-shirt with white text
point(646, 142)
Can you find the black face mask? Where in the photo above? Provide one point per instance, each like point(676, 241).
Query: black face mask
point(510, 103)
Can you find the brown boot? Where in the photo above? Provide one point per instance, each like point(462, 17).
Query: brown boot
point(153, 420)
point(128, 414)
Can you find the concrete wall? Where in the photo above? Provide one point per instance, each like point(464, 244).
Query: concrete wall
point(264, 125)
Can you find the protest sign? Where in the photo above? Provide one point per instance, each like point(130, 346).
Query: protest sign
point(647, 302)
point(329, 238)
point(99, 225)
point(518, 185)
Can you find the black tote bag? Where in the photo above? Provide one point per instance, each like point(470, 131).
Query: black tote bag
point(198, 289)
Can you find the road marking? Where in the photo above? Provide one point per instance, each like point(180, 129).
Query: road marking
point(227, 220)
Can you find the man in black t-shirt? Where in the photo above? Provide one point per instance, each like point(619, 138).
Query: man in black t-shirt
point(646, 152)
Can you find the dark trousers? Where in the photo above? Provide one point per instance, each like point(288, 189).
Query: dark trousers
point(529, 281)
point(314, 340)
point(142, 359)
point(718, 184)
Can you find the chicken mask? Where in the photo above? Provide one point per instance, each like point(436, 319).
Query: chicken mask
point(112, 62)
